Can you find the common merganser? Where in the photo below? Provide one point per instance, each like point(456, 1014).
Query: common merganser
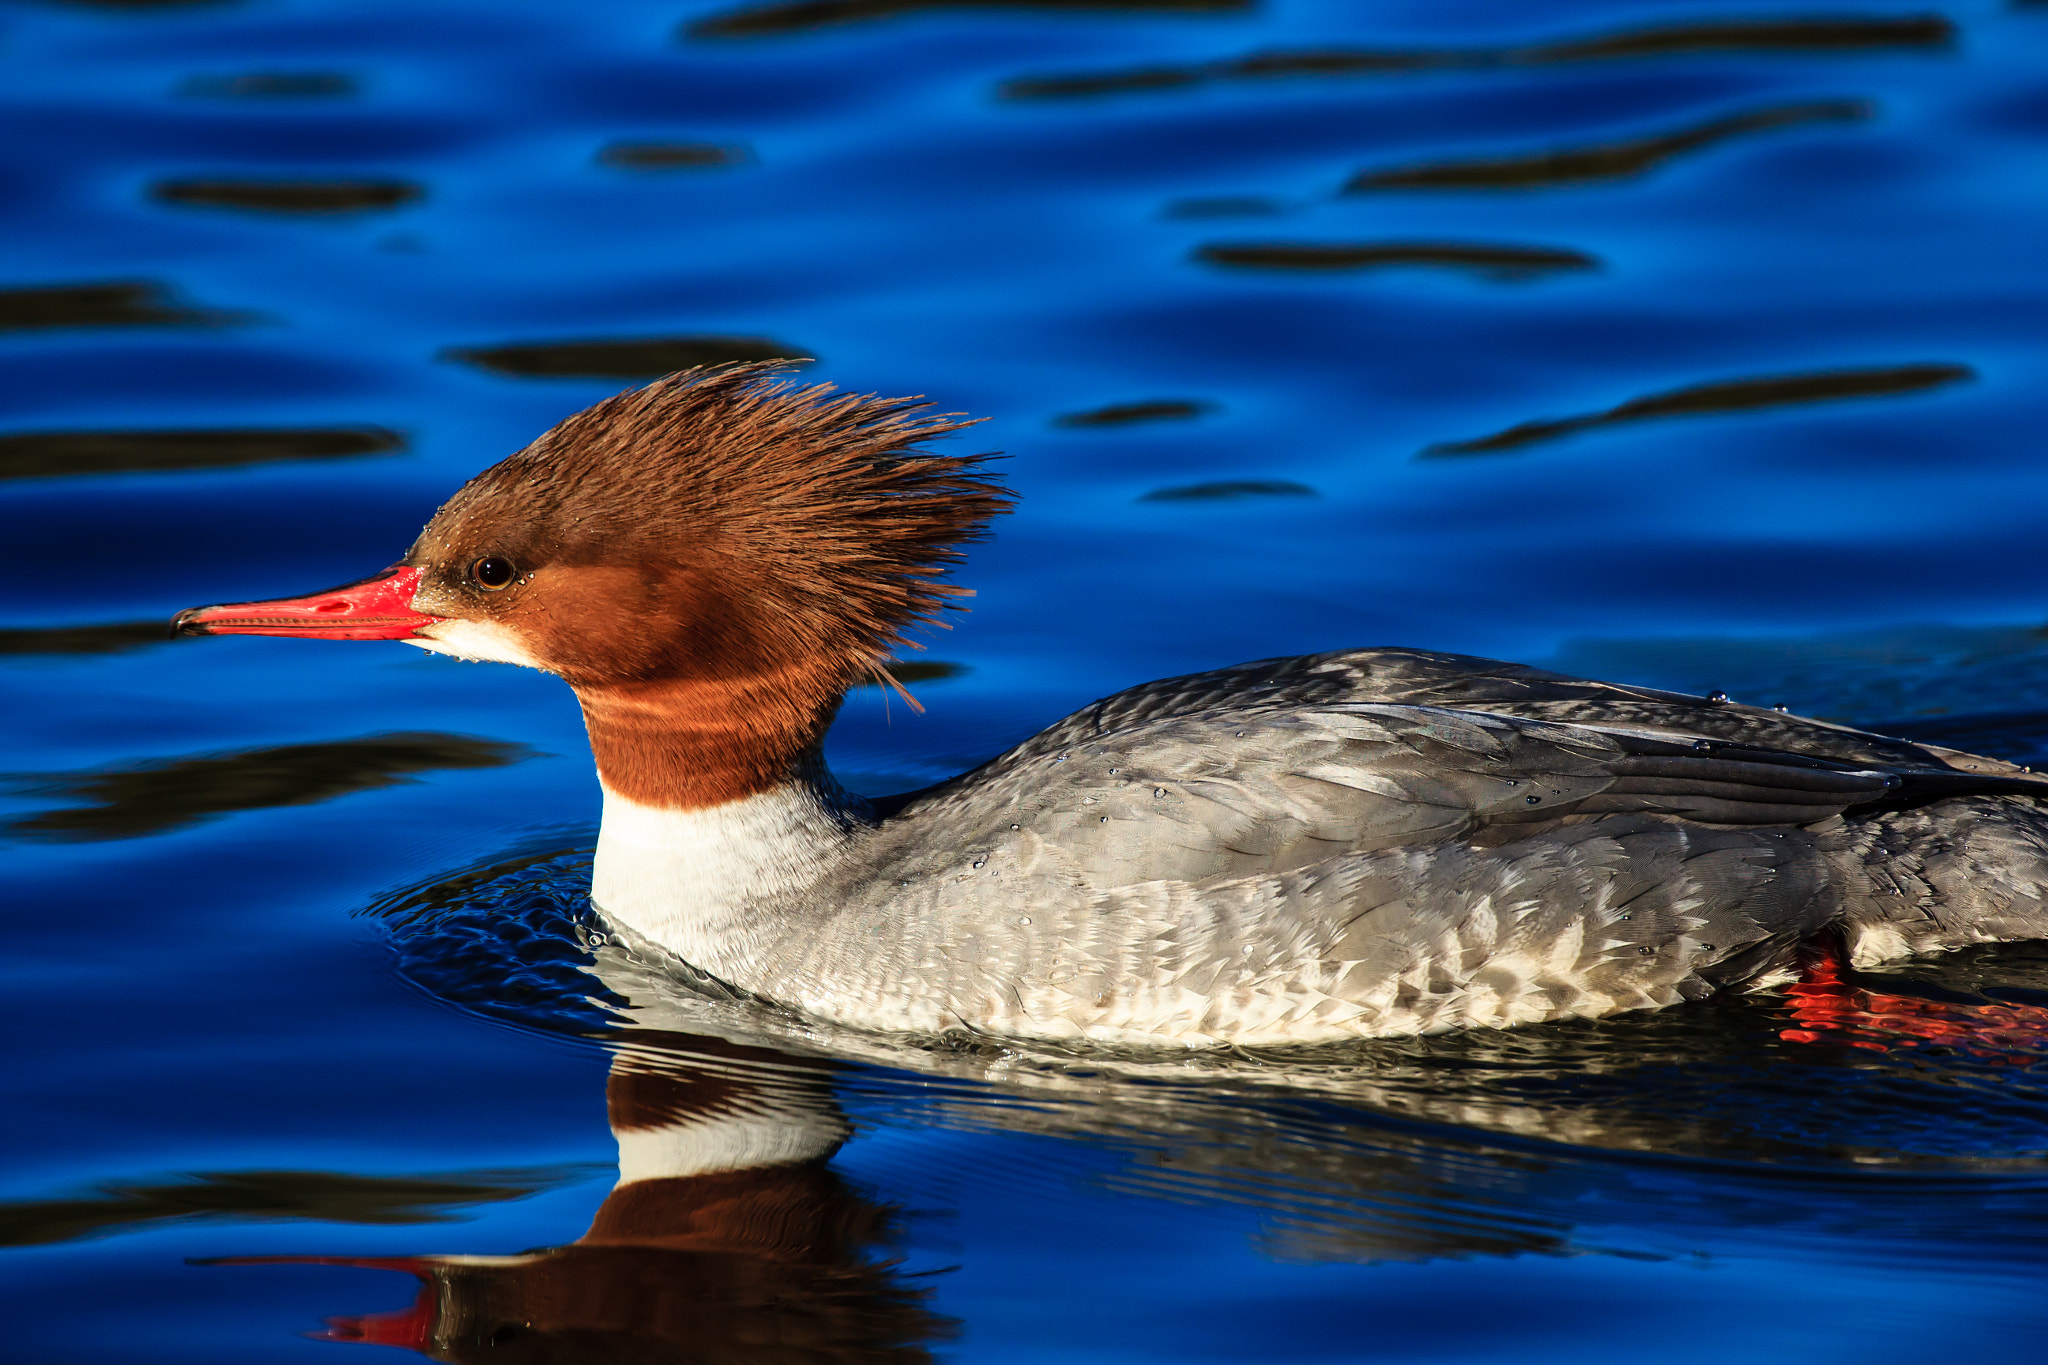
point(1364, 843)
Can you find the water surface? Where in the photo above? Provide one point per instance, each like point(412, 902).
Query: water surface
point(1695, 346)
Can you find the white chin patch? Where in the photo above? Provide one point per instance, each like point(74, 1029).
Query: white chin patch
point(479, 641)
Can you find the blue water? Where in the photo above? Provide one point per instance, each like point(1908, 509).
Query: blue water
point(250, 1014)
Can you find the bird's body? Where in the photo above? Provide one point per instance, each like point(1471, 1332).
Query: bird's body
point(1362, 843)
point(1367, 843)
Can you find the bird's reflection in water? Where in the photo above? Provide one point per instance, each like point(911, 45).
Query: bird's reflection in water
point(727, 1238)
point(1682, 1133)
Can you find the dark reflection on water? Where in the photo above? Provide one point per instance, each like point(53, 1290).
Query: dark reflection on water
point(1494, 262)
point(1224, 206)
point(1082, 84)
point(920, 671)
point(116, 303)
point(1725, 395)
point(271, 85)
point(290, 196)
point(620, 358)
point(318, 1196)
point(1600, 161)
point(1128, 414)
point(1807, 36)
point(55, 454)
point(145, 6)
point(671, 156)
point(727, 1238)
point(166, 794)
point(1813, 34)
point(795, 16)
point(727, 1232)
point(116, 637)
point(1228, 490)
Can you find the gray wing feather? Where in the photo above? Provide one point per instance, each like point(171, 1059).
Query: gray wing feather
point(1228, 793)
point(1461, 682)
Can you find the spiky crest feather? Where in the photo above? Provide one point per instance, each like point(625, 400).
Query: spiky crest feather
point(845, 522)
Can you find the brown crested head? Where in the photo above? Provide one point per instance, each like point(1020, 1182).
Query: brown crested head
point(719, 524)
point(710, 561)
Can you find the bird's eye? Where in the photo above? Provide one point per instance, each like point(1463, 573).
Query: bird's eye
point(493, 572)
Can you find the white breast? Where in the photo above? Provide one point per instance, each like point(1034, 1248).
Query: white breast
point(700, 882)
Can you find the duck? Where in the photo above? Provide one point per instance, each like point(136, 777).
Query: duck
point(1362, 843)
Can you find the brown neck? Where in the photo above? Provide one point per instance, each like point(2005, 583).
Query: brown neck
point(685, 743)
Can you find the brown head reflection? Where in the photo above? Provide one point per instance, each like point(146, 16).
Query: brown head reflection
point(727, 1238)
